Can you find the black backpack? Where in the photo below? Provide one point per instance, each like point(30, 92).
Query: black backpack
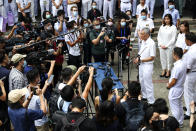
point(134, 117)
point(72, 126)
point(53, 101)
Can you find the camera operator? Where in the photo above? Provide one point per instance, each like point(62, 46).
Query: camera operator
point(17, 79)
point(33, 77)
point(19, 28)
point(110, 44)
point(86, 42)
point(98, 39)
point(123, 35)
point(21, 117)
point(73, 39)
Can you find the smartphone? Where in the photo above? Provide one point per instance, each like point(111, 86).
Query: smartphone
point(50, 79)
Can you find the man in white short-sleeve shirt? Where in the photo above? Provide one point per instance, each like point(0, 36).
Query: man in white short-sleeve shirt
point(73, 39)
point(147, 54)
point(23, 9)
point(141, 7)
point(176, 86)
point(190, 82)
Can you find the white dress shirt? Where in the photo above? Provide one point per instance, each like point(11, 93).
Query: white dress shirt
point(144, 23)
point(178, 72)
point(181, 41)
point(148, 49)
point(140, 8)
point(167, 36)
point(191, 58)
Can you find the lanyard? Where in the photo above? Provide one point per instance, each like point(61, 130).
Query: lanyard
point(121, 32)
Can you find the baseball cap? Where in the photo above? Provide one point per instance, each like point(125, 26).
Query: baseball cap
point(73, 68)
point(17, 57)
point(15, 95)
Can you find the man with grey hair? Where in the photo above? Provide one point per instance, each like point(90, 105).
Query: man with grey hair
point(146, 58)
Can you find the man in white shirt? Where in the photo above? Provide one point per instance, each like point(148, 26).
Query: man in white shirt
point(176, 86)
point(174, 13)
point(73, 39)
point(74, 15)
point(125, 5)
point(143, 22)
point(60, 26)
point(146, 58)
point(140, 7)
point(190, 82)
point(150, 4)
point(23, 8)
point(56, 5)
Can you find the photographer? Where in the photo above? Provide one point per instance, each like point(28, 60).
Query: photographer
point(110, 44)
point(73, 39)
point(21, 117)
point(86, 42)
point(123, 35)
point(67, 93)
point(98, 39)
point(33, 77)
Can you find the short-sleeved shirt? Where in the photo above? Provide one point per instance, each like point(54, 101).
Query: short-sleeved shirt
point(71, 18)
point(140, 8)
point(23, 119)
point(148, 23)
point(174, 13)
point(148, 49)
point(191, 58)
point(98, 49)
point(56, 27)
point(74, 50)
point(179, 73)
point(171, 123)
point(66, 104)
point(35, 105)
point(17, 79)
point(23, 4)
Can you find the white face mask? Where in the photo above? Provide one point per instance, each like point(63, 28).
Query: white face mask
point(110, 23)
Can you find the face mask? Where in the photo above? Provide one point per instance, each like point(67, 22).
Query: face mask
point(171, 6)
point(49, 28)
point(47, 16)
point(25, 63)
point(97, 27)
point(123, 23)
point(143, 17)
point(86, 25)
point(94, 6)
point(75, 26)
point(110, 23)
point(75, 13)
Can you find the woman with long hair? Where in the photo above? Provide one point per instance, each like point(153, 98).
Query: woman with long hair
point(184, 28)
point(106, 93)
point(166, 42)
point(106, 118)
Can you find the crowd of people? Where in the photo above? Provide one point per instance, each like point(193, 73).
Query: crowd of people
point(37, 93)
